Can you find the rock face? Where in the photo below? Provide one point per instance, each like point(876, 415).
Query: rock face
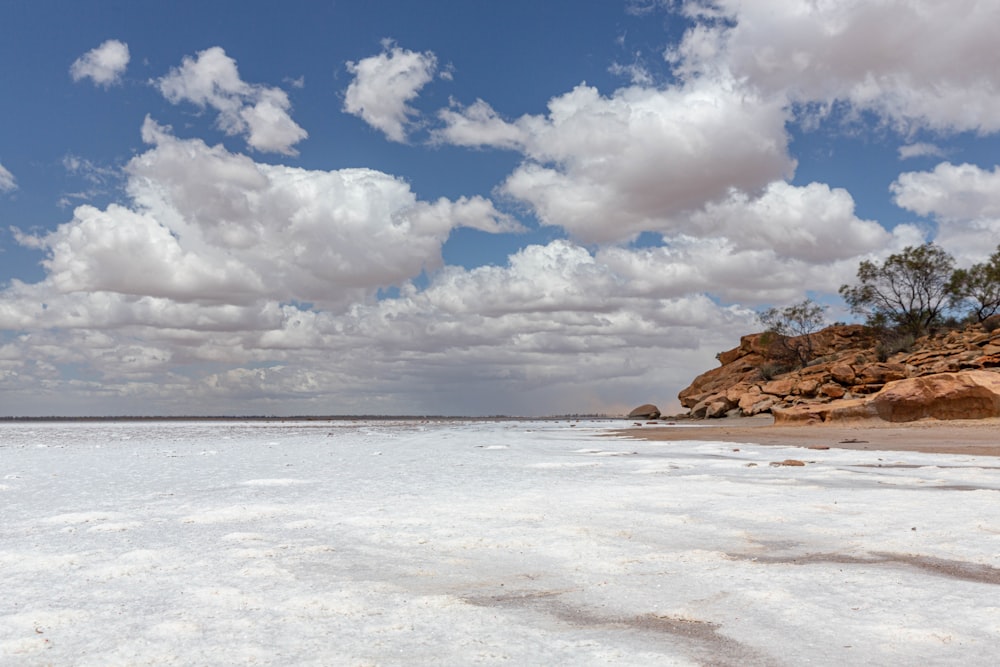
point(946, 376)
point(647, 411)
point(969, 395)
point(851, 409)
point(750, 383)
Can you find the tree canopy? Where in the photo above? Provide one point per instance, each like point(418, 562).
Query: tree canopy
point(795, 325)
point(979, 287)
point(911, 289)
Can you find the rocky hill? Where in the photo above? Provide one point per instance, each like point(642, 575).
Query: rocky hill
point(854, 374)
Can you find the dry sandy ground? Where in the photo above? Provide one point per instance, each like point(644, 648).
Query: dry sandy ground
point(977, 437)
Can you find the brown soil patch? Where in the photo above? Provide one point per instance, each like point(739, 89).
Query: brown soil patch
point(979, 437)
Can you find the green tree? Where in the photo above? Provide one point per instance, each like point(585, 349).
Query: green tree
point(909, 290)
point(978, 286)
point(794, 326)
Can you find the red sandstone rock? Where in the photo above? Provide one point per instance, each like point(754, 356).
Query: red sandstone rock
point(842, 373)
point(832, 390)
point(781, 387)
point(806, 387)
point(880, 373)
point(843, 410)
point(844, 376)
point(966, 395)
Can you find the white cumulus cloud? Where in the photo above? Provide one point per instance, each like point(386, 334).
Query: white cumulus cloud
point(606, 168)
point(813, 223)
point(920, 149)
point(478, 125)
point(103, 65)
point(917, 63)
point(964, 199)
point(259, 113)
point(962, 191)
point(210, 226)
point(7, 181)
point(384, 84)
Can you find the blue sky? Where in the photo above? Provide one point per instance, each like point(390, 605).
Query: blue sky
point(461, 207)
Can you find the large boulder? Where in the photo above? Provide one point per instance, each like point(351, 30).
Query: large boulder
point(756, 403)
point(880, 373)
point(647, 411)
point(782, 387)
point(713, 407)
point(843, 373)
point(832, 390)
point(965, 395)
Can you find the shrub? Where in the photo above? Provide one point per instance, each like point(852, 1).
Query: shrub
point(821, 360)
point(791, 330)
point(893, 345)
point(771, 370)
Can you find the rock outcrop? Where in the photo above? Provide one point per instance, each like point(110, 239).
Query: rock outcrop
point(852, 376)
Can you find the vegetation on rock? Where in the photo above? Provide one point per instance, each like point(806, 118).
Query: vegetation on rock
point(910, 290)
point(978, 287)
point(852, 363)
point(793, 328)
point(913, 291)
point(908, 301)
